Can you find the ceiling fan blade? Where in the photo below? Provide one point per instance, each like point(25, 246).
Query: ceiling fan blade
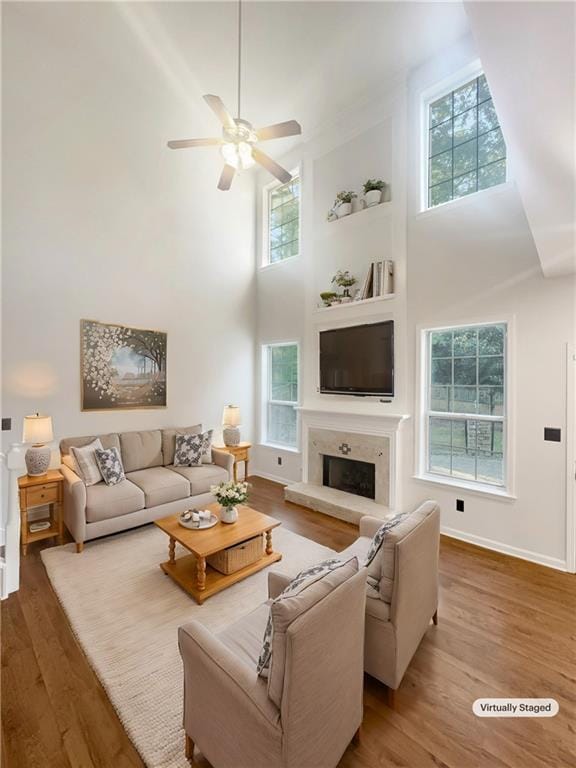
point(182, 144)
point(226, 177)
point(217, 106)
point(277, 131)
point(271, 165)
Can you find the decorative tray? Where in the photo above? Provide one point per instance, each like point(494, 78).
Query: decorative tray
point(200, 526)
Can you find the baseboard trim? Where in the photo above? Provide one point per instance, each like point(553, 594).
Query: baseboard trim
point(506, 549)
point(274, 478)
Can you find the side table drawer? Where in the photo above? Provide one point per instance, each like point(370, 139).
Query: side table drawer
point(42, 494)
point(241, 455)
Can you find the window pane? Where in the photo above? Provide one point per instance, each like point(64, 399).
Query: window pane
point(465, 370)
point(441, 343)
point(441, 110)
point(441, 371)
point(483, 90)
point(441, 138)
point(441, 168)
point(440, 398)
point(465, 185)
point(464, 157)
point(465, 97)
point(493, 174)
point(440, 450)
point(283, 223)
point(464, 449)
point(465, 341)
point(487, 118)
point(491, 400)
point(491, 371)
point(440, 194)
point(282, 424)
point(464, 399)
point(465, 127)
point(284, 372)
point(491, 340)
point(490, 453)
point(491, 147)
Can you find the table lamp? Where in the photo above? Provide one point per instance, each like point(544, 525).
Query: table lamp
point(231, 421)
point(38, 431)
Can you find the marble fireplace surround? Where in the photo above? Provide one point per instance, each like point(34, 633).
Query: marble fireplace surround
point(371, 436)
point(349, 445)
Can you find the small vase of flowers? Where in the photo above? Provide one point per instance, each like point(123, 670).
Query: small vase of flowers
point(373, 189)
point(228, 495)
point(343, 203)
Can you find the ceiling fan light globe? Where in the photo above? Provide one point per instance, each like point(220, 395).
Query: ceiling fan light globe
point(245, 154)
point(238, 155)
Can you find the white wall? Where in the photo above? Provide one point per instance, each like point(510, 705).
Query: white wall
point(102, 221)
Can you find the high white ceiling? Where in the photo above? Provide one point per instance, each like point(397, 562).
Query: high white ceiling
point(303, 60)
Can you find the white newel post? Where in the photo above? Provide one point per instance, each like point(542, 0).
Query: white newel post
point(14, 461)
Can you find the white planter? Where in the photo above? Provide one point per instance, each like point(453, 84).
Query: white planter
point(229, 515)
point(373, 197)
point(344, 209)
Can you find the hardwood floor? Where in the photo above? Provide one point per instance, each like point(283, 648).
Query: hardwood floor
point(506, 628)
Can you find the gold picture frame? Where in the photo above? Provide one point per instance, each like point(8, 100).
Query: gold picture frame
point(122, 367)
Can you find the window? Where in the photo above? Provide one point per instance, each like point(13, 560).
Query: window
point(466, 149)
point(465, 414)
point(281, 394)
point(282, 229)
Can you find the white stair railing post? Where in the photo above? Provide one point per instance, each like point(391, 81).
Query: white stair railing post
point(14, 461)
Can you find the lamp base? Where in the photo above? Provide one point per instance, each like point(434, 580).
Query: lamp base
point(231, 436)
point(37, 460)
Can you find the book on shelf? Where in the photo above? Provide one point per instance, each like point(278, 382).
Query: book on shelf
point(367, 288)
point(379, 280)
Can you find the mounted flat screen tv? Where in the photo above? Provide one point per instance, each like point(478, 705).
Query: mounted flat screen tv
point(358, 360)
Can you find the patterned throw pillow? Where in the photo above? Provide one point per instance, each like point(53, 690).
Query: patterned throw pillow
point(85, 464)
point(207, 448)
point(301, 581)
point(189, 450)
point(110, 465)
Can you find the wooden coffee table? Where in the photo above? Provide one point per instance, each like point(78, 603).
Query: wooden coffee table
point(191, 571)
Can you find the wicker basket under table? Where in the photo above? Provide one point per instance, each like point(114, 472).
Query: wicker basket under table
point(238, 556)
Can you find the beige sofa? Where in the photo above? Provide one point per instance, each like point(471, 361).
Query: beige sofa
point(153, 487)
point(399, 612)
point(311, 707)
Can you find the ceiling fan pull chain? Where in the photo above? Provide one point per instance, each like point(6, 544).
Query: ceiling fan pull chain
point(239, 52)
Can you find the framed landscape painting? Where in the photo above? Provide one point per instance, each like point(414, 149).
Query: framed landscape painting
point(121, 367)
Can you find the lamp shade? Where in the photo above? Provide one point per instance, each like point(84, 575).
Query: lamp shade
point(231, 416)
point(37, 429)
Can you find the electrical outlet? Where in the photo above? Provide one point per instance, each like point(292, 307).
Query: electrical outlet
point(279, 461)
point(6, 424)
point(459, 505)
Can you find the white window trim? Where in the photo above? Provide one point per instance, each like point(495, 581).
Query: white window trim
point(265, 401)
point(266, 190)
point(445, 86)
point(506, 491)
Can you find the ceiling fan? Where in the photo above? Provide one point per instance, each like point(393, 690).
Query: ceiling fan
point(239, 138)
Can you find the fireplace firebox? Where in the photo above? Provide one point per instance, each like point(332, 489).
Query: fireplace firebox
point(349, 475)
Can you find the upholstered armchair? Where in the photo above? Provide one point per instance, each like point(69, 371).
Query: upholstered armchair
point(400, 607)
point(310, 707)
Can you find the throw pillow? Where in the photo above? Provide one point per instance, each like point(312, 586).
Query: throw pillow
point(207, 451)
point(189, 450)
point(300, 582)
point(85, 462)
point(110, 465)
point(375, 554)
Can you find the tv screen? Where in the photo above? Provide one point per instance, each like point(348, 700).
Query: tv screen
point(358, 360)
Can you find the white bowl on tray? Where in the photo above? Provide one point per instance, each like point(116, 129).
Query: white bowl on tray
point(201, 525)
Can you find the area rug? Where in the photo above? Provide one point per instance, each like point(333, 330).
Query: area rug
point(125, 613)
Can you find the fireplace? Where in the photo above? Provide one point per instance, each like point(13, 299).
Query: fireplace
point(350, 475)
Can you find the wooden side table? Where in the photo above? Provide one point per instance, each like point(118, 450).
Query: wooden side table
point(37, 492)
point(241, 452)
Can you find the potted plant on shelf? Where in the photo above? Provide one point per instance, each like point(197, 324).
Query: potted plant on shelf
point(373, 191)
point(343, 203)
point(328, 297)
point(228, 495)
point(344, 280)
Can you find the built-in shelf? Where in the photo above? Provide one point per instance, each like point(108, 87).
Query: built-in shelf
point(359, 303)
point(361, 217)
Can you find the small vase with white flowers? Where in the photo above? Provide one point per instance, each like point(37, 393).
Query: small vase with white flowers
point(228, 495)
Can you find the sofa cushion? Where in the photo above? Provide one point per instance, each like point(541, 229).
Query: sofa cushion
point(141, 450)
point(106, 501)
point(86, 463)
point(160, 485)
point(377, 608)
point(169, 440)
point(201, 478)
point(244, 637)
point(301, 595)
point(111, 440)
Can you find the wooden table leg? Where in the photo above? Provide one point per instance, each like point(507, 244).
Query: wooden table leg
point(246, 470)
point(24, 530)
point(235, 471)
point(201, 573)
point(269, 549)
point(59, 512)
point(171, 549)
